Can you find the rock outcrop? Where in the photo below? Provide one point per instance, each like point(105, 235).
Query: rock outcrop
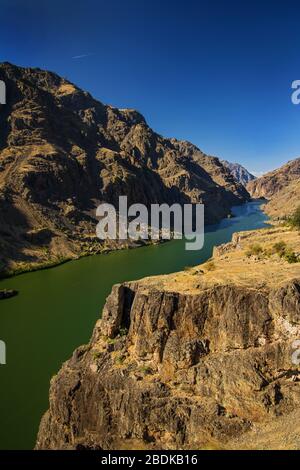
point(7, 293)
point(281, 187)
point(62, 152)
point(191, 360)
point(240, 173)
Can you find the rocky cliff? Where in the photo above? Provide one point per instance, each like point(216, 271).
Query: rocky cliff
point(198, 359)
point(281, 187)
point(62, 152)
point(240, 173)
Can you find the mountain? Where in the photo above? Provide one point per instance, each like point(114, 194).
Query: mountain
point(239, 172)
point(200, 359)
point(281, 187)
point(62, 152)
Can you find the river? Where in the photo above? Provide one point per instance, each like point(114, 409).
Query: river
point(57, 308)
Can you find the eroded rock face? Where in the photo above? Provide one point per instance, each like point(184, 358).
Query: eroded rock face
point(177, 371)
point(281, 187)
point(62, 152)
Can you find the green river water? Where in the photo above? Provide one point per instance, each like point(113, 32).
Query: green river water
point(57, 308)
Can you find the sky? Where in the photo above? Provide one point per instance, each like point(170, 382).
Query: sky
point(217, 73)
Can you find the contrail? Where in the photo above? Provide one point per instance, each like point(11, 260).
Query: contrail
point(82, 56)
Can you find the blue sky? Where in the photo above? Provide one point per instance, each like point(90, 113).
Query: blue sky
point(217, 73)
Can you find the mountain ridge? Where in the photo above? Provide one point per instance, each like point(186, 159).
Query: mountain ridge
point(281, 187)
point(62, 152)
point(239, 172)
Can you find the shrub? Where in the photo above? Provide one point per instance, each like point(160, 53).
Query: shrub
point(112, 340)
point(290, 256)
point(210, 266)
point(295, 219)
point(97, 355)
point(123, 331)
point(146, 370)
point(280, 248)
point(254, 250)
point(120, 359)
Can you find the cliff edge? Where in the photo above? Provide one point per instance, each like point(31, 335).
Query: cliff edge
point(193, 360)
point(281, 188)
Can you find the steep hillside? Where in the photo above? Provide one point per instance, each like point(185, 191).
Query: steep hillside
point(240, 173)
point(281, 187)
point(197, 359)
point(62, 152)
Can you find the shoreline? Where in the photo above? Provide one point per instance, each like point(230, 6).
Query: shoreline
point(106, 251)
point(56, 263)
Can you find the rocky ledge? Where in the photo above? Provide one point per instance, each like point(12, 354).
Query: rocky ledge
point(197, 366)
point(7, 293)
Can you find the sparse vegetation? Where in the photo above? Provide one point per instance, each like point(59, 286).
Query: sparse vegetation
point(146, 370)
point(97, 354)
point(31, 267)
point(254, 250)
point(280, 248)
point(290, 256)
point(123, 331)
point(210, 266)
point(119, 360)
point(285, 252)
point(112, 340)
point(295, 219)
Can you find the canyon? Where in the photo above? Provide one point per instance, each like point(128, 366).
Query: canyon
point(198, 359)
point(62, 153)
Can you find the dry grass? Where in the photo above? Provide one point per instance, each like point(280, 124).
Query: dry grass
point(235, 267)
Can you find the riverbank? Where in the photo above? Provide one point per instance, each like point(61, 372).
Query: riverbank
point(53, 263)
point(33, 267)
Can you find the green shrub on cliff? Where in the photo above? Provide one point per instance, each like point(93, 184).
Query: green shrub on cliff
point(210, 266)
point(285, 252)
point(254, 250)
point(295, 219)
point(119, 359)
point(123, 331)
point(290, 256)
point(280, 248)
